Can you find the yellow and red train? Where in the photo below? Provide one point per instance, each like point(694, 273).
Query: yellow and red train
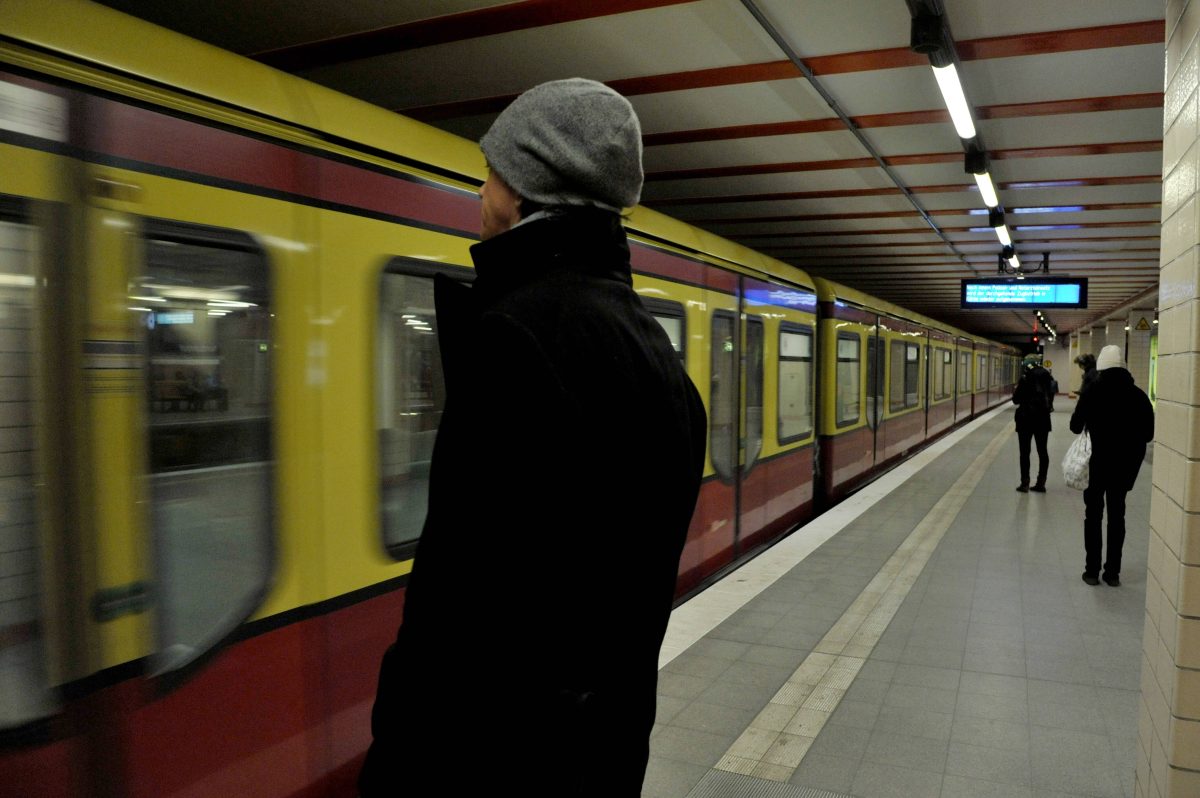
point(218, 357)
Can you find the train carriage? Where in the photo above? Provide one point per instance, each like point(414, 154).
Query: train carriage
point(221, 359)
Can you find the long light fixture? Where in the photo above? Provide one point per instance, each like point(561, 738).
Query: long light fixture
point(955, 99)
point(987, 190)
point(996, 222)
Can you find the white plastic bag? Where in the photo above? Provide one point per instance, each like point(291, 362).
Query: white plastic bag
point(1076, 462)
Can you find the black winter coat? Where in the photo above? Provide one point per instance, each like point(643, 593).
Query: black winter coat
point(1033, 396)
point(1120, 419)
point(563, 480)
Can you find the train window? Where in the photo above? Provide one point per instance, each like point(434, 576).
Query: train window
point(754, 389)
point(875, 368)
point(981, 372)
point(795, 382)
point(944, 365)
point(723, 396)
point(996, 377)
point(849, 356)
point(673, 320)
point(903, 391)
point(204, 301)
point(25, 696)
point(964, 372)
point(410, 396)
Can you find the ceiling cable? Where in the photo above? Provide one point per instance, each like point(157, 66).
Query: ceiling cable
point(792, 56)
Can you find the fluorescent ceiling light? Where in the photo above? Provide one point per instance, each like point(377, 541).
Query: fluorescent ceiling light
point(956, 101)
point(1015, 262)
point(987, 190)
point(1002, 234)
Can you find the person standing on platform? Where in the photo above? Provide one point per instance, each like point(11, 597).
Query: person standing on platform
point(1120, 420)
point(1034, 398)
point(1087, 362)
point(563, 480)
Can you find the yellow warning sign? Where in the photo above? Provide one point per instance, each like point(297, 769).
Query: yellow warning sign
point(1046, 364)
point(1143, 325)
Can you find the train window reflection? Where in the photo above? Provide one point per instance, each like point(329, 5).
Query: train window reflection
point(944, 381)
point(964, 372)
point(204, 304)
point(795, 382)
point(846, 407)
point(981, 372)
point(671, 318)
point(24, 696)
point(722, 414)
point(754, 389)
point(411, 395)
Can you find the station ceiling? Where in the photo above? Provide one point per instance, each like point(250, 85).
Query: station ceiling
point(1067, 99)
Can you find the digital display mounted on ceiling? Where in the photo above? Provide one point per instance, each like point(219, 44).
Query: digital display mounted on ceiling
point(1042, 292)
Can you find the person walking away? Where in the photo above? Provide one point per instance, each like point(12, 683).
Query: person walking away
point(565, 471)
point(1120, 419)
point(1087, 362)
point(1034, 399)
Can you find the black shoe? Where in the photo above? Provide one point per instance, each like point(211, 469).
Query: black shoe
point(1038, 489)
point(1023, 487)
point(1112, 580)
point(1091, 579)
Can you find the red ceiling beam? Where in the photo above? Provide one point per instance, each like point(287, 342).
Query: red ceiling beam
point(448, 28)
point(821, 217)
point(830, 124)
point(884, 192)
point(1105, 36)
point(1113, 148)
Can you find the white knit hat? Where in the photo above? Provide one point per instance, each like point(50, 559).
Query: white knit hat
point(1110, 357)
point(569, 142)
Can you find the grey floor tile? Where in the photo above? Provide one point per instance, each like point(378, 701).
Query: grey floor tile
point(867, 691)
point(719, 649)
point(1012, 687)
point(991, 706)
point(679, 685)
point(666, 778)
point(841, 741)
point(1073, 762)
point(989, 764)
point(990, 733)
point(1077, 717)
point(714, 719)
point(918, 697)
point(668, 707)
point(689, 745)
point(859, 714)
point(888, 748)
point(915, 721)
point(821, 772)
point(991, 663)
point(878, 670)
point(927, 676)
point(767, 676)
point(876, 780)
point(690, 664)
point(962, 787)
point(739, 696)
point(774, 656)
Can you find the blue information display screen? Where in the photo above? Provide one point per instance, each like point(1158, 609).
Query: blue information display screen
point(1062, 292)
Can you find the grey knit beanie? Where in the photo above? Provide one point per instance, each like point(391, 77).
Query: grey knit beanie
point(569, 142)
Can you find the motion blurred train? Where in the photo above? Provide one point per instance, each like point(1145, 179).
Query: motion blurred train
point(221, 384)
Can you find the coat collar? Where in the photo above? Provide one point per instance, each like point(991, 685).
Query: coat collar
point(583, 240)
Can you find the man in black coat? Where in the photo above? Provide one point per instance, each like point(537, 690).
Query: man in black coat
point(1120, 420)
point(563, 480)
point(1034, 397)
point(1087, 362)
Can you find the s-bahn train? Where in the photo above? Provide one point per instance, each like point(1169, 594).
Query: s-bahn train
point(220, 388)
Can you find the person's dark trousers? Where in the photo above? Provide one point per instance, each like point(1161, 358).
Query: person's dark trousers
point(1094, 499)
point(1039, 437)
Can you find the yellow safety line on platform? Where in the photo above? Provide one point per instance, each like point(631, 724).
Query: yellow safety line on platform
point(776, 741)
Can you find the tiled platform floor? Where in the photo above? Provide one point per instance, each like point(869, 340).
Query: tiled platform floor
point(1001, 673)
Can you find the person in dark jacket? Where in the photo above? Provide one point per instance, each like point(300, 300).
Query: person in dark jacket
point(1087, 362)
point(1034, 397)
point(564, 476)
point(1120, 420)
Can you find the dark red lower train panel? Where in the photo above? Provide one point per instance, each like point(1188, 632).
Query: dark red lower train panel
point(846, 460)
point(777, 494)
point(899, 434)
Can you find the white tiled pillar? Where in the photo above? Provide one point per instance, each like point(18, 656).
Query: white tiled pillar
point(1098, 340)
point(1073, 381)
point(1169, 716)
point(1114, 334)
point(1137, 353)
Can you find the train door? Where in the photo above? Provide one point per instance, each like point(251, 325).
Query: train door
point(751, 492)
point(876, 378)
point(42, 608)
